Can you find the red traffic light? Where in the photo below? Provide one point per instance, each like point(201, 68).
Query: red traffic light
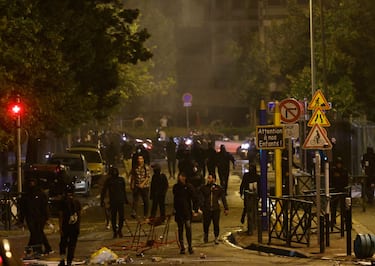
point(16, 109)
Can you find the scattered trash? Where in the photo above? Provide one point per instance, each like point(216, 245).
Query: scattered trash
point(103, 255)
point(202, 256)
point(156, 259)
point(129, 260)
point(120, 260)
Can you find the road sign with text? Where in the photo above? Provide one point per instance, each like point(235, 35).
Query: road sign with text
point(270, 137)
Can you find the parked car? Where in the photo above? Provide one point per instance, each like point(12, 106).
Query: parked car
point(94, 159)
point(77, 169)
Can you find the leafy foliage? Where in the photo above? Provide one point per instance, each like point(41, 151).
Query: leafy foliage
point(252, 73)
point(349, 46)
point(66, 59)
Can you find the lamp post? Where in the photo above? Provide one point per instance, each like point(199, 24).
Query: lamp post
point(312, 58)
point(19, 169)
point(16, 110)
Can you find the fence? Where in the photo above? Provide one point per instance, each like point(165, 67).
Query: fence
point(8, 209)
point(290, 220)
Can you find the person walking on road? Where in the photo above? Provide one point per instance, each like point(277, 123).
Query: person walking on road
point(158, 191)
point(249, 193)
point(211, 158)
point(70, 219)
point(210, 195)
point(339, 177)
point(127, 152)
point(34, 209)
point(171, 157)
point(368, 165)
point(140, 185)
point(223, 161)
point(185, 200)
point(115, 187)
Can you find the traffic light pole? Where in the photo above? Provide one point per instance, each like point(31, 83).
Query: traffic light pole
point(18, 154)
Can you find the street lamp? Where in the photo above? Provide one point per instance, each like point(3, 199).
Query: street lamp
point(312, 59)
point(16, 110)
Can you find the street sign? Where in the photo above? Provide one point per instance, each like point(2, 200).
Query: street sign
point(187, 98)
point(317, 139)
point(290, 110)
point(319, 117)
point(271, 107)
point(319, 101)
point(270, 137)
point(291, 131)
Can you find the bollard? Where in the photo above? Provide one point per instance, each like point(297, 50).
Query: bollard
point(348, 219)
point(321, 242)
point(259, 215)
point(328, 225)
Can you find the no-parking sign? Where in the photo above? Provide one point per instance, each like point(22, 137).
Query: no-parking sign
point(290, 110)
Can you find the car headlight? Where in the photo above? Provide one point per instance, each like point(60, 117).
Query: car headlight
point(245, 146)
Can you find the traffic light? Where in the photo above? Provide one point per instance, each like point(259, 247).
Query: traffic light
point(15, 109)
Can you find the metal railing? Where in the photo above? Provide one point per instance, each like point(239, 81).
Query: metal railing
point(290, 220)
point(8, 209)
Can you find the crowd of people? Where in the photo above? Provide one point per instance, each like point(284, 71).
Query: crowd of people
point(192, 195)
point(195, 193)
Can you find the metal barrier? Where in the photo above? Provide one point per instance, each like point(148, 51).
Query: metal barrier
point(303, 181)
point(337, 210)
point(290, 220)
point(8, 209)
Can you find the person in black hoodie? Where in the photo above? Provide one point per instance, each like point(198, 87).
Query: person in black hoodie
point(34, 209)
point(368, 166)
point(70, 219)
point(339, 179)
point(249, 192)
point(185, 200)
point(115, 185)
point(158, 190)
point(223, 161)
point(211, 194)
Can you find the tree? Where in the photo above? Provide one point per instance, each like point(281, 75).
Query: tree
point(349, 42)
point(159, 79)
point(66, 59)
point(252, 73)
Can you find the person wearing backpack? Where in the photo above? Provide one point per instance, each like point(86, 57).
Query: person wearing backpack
point(69, 219)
